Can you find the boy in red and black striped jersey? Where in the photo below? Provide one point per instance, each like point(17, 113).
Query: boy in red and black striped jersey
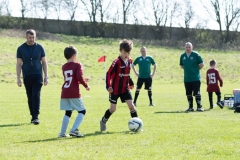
point(117, 83)
point(212, 78)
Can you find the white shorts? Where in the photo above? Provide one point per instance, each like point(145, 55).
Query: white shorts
point(72, 104)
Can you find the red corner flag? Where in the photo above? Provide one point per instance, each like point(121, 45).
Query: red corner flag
point(102, 59)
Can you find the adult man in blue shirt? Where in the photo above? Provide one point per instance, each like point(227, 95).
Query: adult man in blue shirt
point(31, 60)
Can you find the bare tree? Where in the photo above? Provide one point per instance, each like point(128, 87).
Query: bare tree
point(24, 8)
point(105, 9)
point(174, 9)
point(45, 6)
point(57, 6)
point(71, 7)
point(4, 7)
point(226, 13)
point(188, 16)
point(126, 6)
point(160, 11)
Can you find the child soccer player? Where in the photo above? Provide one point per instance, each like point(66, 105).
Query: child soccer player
point(212, 78)
point(117, 80)
point(71, 97)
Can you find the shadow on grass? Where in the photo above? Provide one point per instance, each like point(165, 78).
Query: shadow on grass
point(14, 125)
point(97, 133)
point(171, 112)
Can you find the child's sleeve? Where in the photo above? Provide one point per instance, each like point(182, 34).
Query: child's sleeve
point(110, 72)
point(130, 81)
point(207, 79)
point(219, 79)
point(80, 76)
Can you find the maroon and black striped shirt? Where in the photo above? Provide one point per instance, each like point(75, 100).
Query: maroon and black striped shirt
point(118, 75)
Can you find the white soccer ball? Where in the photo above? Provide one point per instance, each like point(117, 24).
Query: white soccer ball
point(135, 124)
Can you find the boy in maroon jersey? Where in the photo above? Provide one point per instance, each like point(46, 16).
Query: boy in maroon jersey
point(117, 82)
point(71, 97)
point(212, 78)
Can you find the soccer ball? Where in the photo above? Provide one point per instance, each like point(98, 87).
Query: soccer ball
point(135, 124)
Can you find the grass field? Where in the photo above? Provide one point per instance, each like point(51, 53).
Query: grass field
point(169, 132)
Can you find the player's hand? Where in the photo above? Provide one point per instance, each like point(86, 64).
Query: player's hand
point(45, 81)
point(19, 83)
point(110, 90)
point(88, 88)
point(131, 87)
point(151, 75)
point(86, 79)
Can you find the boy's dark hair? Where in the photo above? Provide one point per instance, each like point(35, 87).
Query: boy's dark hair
point(31, 32)
point(69, 52)
point(212, 62)
point(127, 45)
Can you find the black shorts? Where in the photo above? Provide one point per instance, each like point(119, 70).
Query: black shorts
point(123, 96)
point(192, 88)
point(146, 81)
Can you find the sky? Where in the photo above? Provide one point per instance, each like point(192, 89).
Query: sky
point(201, 16)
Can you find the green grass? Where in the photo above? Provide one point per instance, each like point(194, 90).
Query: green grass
point(169, 133)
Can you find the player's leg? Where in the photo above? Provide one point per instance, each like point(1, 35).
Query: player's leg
point(210, 100)
point(188, 89)
point(219, 99)
point(65, 123)
point(28, 86)
point(113, 105)
point(148, 86)
point(77, 104)
point(139, 86)
point(127, 97)
point(36, 90)
point(197, 94)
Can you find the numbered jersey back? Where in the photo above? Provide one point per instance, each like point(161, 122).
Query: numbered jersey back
point(212, 79)
point(72, 73)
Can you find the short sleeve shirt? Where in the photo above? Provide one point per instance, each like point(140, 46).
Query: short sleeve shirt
point(144, 66)
point(31, 57)
point(191, 66)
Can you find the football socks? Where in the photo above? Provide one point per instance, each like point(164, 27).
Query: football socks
point(190, 101)
point(198, 100)
point(78, 121)
point(133, 113)
point(136, 96)
point(150, 96)
point(106, 116)
point(65, 123)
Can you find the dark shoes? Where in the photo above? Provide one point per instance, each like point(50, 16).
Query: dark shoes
point(151, 104)
point(190, 109)
point(199, 109)
point(35, 121)
point(220, 105)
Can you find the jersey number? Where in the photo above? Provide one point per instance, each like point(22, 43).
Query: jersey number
point(68, 78)
point(212, 78)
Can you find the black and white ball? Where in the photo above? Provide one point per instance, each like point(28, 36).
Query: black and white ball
point(135, 124)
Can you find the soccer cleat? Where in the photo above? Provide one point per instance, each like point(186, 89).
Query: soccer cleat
point(151, 104)
point(211, 107)
point(75, 133)
point(35, 121)
point(63, 135)
point(190, 109)
point(102, 126)
point(135, 104)
point(199, 109)
point(220, 105)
